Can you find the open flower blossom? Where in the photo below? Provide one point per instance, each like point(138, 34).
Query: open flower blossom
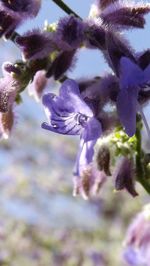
point(133, 79)
point(68, 114)
point(137, 242)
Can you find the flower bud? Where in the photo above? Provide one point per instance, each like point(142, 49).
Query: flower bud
point(70, 33)
point(89, 183)
point(103, 159)
point(124, 176)
point(35, 44)
point(63, 62)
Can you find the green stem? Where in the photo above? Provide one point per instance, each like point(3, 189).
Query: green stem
point(65, 8)
point(139, 165)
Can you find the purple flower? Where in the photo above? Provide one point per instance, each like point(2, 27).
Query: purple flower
point(22, 7)
point(13, 13)
point(8, 23)
point(133, 79)
point(70, 33)
point(68, 114)
point(120, 14)
point(137, 242)
point(123, 14)
point(35, 44)
point(97, 259)
point(133, 257)
point(71, 111)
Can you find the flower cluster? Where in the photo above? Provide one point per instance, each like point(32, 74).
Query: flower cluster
point(80, 106)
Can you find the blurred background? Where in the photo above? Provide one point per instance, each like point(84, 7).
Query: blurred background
point(41, 224)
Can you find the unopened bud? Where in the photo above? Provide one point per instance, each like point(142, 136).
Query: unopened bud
point(103, 159)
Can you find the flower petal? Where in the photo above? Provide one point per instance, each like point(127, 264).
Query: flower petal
point(84, 157)
point(92, 130)
point(61, 120)
point(130, 73)
point(71, 130)
point(131, 78)
point(117, 48)
point(69, 91)
point(88, 140)
point(126, 106)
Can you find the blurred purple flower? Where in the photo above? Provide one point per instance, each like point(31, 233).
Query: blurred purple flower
point(12, 13)
point(133, 79)
point(95, 36)
point(137, 242)
point(97, 259)
point(8, 23)
point(68, 114)
point(35, 44)
point(22, 7)
point(133, 257)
